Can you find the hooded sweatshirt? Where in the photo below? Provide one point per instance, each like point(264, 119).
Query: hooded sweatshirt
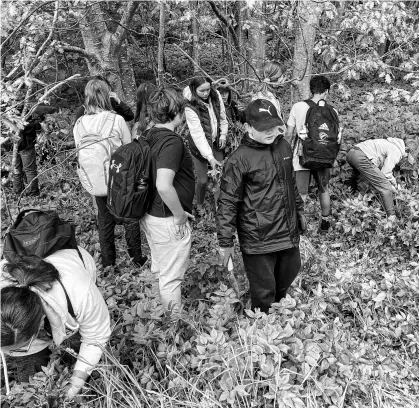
point(93, 321)
point(384, 153)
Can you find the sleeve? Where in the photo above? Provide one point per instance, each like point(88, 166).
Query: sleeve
point(170, 155)
point(223, 118)
point(197, 134)
point(42, 110)
point(298, 200)
point(392, 158)
point(291, 119)
point(231, 194)
point(95, 329)
point(124, 110)
point(125, 132)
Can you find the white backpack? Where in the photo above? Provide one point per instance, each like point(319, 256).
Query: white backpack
point(95, 150)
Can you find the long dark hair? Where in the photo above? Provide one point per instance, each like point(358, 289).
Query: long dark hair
point(141, 115)
point(21, 308)
point(97, 97)
point(195, 83)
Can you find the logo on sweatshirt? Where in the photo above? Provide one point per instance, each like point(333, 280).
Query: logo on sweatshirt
point(323, 126)
point(117, 166)
point(266, 110)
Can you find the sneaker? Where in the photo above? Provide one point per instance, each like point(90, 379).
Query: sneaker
point(324, 225)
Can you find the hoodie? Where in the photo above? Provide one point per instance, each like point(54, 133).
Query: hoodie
point(385, 154)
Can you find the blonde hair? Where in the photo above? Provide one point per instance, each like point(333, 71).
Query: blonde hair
point(270, 72)
point(97, 97)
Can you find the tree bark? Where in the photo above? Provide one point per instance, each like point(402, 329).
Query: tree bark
point(309, 13)
point(160, 54)
point(257, 37)
point(109, 48)
point(195, 35)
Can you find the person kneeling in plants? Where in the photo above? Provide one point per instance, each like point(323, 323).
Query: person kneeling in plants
point(259, 197)
point(375, 159)
point(49, 300)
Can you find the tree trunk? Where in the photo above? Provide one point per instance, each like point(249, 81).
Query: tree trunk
point(257, 37)
point(109, 48)
point(309, 12)
point(160, 54)
point(195, 36)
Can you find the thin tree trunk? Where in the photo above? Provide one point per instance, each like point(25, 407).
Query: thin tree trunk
point(160, 54)
point(257, 36)
point(195, 35)
point(309, 12)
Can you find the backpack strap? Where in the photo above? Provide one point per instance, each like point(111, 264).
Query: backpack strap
point(310, 103)
point(111, 116)
point(69, 305)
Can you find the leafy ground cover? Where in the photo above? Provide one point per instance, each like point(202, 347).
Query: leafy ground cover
point(346, 336)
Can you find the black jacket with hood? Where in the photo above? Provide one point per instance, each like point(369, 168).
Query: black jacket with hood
point(259, 197)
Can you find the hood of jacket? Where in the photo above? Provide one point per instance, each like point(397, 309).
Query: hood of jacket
point(399, 143)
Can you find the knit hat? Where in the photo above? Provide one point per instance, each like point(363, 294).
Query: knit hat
point(262, 115)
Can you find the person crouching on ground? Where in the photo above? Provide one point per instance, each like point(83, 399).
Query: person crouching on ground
point(260, 197)
point(59, 289)
point(375, 159)
point(166, 223)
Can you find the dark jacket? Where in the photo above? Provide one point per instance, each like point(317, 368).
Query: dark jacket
point(121, 109)
point(259, 197)
point(29, 133)
point(202, 111)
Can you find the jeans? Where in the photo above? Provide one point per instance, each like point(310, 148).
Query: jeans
point(201, 169)
point(106, 225)
point(26, 165)
point(169, 256)
point(361, 164)
point(270, 275)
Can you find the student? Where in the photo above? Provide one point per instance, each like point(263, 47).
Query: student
point(259, 197)
point(96, 120)
point(118, 106)
point(59, 289)
point(26, 158)
point(375, 159)
point(166, 224)
point(207, 122)
point(142, 120)
point(319, 87)
point(271, 78)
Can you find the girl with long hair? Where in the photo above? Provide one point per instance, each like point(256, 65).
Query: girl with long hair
point(207, 122)
point(142, 120)
point(45, 301)
point(99, 118)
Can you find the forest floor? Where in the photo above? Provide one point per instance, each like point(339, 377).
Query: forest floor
point(345, 336)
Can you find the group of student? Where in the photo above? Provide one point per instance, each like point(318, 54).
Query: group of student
point(262, 194)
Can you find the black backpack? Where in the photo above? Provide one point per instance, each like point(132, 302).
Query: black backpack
point(130, 181)
point(321, 147)
point(40, 233)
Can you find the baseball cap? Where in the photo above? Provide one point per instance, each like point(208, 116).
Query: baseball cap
point(262, 115)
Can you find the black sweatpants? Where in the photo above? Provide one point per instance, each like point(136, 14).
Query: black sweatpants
point(106, 225)
point(270, 275)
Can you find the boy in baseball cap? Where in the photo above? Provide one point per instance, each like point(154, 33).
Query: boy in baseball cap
point(259, 197)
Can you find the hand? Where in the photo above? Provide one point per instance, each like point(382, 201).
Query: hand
point(113, 95)
point(214, 163)
point(302, 222)
point(222, 143)
point(72, 389)
point(181, 223)
point(225, 254)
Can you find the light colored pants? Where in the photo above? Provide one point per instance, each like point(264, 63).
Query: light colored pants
point(169, 256)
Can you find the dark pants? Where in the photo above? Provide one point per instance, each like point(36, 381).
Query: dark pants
point(26, 165)
point(270, 275)
point(106, 224)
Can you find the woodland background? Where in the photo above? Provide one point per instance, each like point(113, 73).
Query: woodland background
point(347, 336)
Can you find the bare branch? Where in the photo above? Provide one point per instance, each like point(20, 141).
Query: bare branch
point(121, 32)
point(24, 21)
point(224, 20)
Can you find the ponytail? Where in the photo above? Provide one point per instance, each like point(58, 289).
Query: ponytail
point(270, 72)
point(21, 308)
